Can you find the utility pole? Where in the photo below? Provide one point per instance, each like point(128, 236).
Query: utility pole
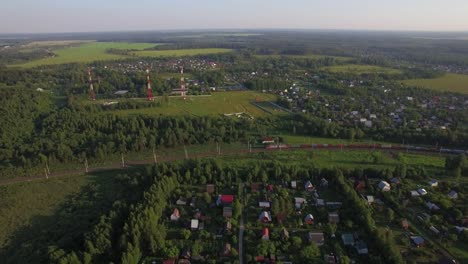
point(86, 165)
point(47, 167)
point(154, 157)
point(123, 161)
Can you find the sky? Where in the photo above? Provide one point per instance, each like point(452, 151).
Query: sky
point(44, 16)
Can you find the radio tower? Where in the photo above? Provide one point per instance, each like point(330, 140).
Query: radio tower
point(149, 93)
point(183, 89)
point(92, 96)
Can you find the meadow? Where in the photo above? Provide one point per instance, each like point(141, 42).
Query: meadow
point(361, 69)
point(449, 82)
point(217, 104)
point(97, 51)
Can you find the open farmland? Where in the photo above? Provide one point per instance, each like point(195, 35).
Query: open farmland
point(216, 104)
point(361, 69)
point(98, 51)
point(449, 82)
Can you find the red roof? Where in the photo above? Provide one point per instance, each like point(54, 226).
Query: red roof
point(266, 232)
point(169, 261)
point(227, 198)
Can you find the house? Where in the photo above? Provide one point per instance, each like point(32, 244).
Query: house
point(210, 188)
point(294, 184)
point(284, 233)
point(169, 261)
point(264, 204)
point(194, 223)
point(225, 199)
point(308, 186)
point(186, 254)
point(269, 187)
point(227, 211)
point(228, 226)
point(434, 230)
point(414, 194)
point(432, 206)
point(359, 185)
point(395, 180)
point(361, 248)
point(323, 182)
point(348, 239)
point(417, 241)
point(317, 238)
point(370, 199)
point(227, 249)
point(320, 202)
point(453, 194)
point(268, 140)
point(330, 259)
point(333, 218)
point(255, 186)
point(175, 215)
point(181, 201)
point(433, 183)
point(405, 224)
point(309, 219)
point(384, 186)
point(334, 205)
point(298, 202)
point(265, 217)
point(265, 234)
point(422, 191)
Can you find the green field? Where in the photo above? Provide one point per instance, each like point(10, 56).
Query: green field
point(449, 82)
point(177, 53)
point(97, 51)
point(307, 56)
point(361, 69)
point(22, 202)
point(216, 104)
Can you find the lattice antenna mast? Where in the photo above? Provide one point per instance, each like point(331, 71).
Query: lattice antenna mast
point(149, 93)
point(92, 95)
point(182, 80)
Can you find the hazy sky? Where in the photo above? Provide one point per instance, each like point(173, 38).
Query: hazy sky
point(116, 15)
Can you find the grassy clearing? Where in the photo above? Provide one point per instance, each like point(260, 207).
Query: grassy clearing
point(22, 202)
point(216, 104)
point(449, 82)
point(181, 52)
point(51, 43)
point(307, 56)
point(87, 53)
point(290, 139)
point(361, 69)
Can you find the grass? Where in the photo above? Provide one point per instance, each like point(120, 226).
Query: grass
point(449, 82)
point(51, 43)
point(361, 69)
point(216, 104)
point(97, 51)
point(178, 53)
point(88, 52)
point(21, 202)
point(307, 56)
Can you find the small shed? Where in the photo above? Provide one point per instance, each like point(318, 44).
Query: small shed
point(309, 219)
point(265, 217)
point(175, 215)
point(384, 186)
point(194, 223)
point(433, 183)
point(309, 186)
point(333, 218)
point(452, 194)
point(317, 238)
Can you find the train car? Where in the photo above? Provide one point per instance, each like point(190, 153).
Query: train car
point(385, 146)
point(304, 146)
